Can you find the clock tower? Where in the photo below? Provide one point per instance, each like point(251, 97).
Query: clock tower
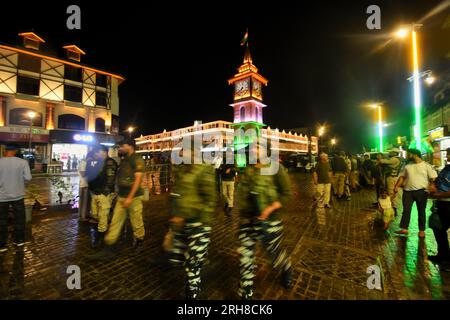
point(247, 105)
point(247, 100)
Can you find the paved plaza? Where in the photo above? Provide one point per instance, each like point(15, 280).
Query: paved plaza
point(331, 251)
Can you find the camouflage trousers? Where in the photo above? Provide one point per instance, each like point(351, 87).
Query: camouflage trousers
point(271, 234)
point(190, 248)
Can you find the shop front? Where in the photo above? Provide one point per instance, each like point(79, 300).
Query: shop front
point(20, 136)
point(440, 139)
point(70, 147)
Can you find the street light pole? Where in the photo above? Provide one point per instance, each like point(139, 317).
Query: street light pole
point(416, 81)
point(380, 128)
point(31, 115)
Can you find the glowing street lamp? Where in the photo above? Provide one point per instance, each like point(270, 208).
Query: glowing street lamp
point(31, 116)
point(130, 130)
point(333, 141)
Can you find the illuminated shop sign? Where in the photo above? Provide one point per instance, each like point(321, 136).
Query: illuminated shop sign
point(83, 138)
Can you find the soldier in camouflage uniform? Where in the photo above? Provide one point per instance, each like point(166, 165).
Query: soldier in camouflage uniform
point(129, 202)
point(193, 201)
point(260, 202)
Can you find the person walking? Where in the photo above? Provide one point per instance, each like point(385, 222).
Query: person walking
point(13, 174)
point(260, 202)
point(415, 179)
point(228, 176)
point(440, 191)
point(101, 176)
point(340, 172)
point(367, 166)
point(129, 202)
point(391, 169)
point(378, 176)
point(322, 177)
point(83, 193)
point(193, 201)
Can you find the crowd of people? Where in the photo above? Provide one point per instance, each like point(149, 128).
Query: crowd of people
point(111, 191)
point(396, 181)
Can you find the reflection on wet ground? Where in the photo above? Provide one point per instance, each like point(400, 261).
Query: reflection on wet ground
point(331, 251)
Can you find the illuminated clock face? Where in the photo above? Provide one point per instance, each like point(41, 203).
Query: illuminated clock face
point(256, 89)
point(242, 88)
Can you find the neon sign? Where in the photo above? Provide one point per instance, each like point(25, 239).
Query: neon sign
point(83, 138)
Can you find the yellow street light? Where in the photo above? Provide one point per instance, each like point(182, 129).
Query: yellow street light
point(333, 141)
point(31, 115)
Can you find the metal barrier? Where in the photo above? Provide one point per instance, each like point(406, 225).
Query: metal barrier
point(158, 178)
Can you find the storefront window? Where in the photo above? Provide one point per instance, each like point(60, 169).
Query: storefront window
point(70, 154)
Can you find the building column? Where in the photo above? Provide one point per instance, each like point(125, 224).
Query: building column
point(90, 117)
point(2, 111)
point(50, 116)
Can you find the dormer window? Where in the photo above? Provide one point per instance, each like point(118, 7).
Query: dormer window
point(73, 52)
point(31, 40)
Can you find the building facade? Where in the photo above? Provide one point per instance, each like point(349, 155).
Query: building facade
point(65, 104)
point(436, 121)
point(218, 136)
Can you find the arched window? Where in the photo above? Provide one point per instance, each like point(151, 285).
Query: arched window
point(71, 122)
point(20, 116)
point(99, 125)
point(242, 116)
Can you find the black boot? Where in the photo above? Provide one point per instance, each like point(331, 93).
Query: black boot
point(98, 239)
point(138, 246)
point(192, 294)
point(286, 278)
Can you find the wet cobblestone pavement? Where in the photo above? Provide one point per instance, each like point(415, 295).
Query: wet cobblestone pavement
point(331, 250)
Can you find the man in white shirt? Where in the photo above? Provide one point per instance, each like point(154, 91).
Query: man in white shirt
point(415, 179)
point(14, 172)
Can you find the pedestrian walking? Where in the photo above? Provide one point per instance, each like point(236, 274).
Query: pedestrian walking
point(193, 202)
point(367, 168)
point(83, 193)
point(415, 179)
point(101, 175)
point(129, 202)
point(260, 202)
point(378, 176)
point(13, 174)
point(440, 191)
point(322, 177)
point(340, 172)
point(228, 176)
point(391, 169)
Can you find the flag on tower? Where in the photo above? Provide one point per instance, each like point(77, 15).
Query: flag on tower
point(244, 40)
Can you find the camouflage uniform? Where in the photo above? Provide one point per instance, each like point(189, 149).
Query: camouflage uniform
point(128, 167)
point(256, 192)
point(193, 199)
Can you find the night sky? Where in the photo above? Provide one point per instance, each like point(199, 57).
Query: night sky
point(319, 58)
